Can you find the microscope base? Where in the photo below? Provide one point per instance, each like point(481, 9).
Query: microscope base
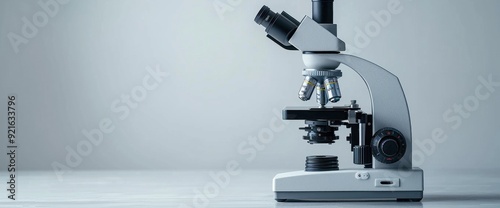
point(350, 185)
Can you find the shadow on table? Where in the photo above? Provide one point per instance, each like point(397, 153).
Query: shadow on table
point(344, 204)
point(493, 197)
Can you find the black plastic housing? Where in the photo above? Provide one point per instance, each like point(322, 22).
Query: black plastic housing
point(279, 27)
point(323, 11)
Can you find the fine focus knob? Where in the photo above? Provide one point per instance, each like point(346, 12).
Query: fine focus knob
point(388, 145)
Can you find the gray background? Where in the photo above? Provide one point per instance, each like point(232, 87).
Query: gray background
point(226, 79)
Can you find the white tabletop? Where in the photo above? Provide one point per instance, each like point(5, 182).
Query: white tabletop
point(250, 188)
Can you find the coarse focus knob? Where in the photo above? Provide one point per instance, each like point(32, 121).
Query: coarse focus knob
point(388, 145)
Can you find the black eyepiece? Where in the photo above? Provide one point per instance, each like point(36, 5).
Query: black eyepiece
point(279, 26)
point(264, 13)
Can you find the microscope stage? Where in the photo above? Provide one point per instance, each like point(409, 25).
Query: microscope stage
point(305, 113)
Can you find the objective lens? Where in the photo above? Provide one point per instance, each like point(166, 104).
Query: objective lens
point(321, 95)
point(307, 88)
point(333, 89)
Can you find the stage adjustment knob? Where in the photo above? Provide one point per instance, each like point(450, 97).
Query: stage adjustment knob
point(362, 155)
point(388, 145)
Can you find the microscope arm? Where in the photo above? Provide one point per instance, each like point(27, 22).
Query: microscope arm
point(389, 106)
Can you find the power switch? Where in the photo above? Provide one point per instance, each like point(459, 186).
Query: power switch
point(362, 175)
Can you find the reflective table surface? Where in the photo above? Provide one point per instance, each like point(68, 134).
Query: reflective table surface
point(206, 188)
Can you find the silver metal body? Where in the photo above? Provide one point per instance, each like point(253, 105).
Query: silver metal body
point(398, 180)
point(389, 106)
point(324, 39)
point(355, 184)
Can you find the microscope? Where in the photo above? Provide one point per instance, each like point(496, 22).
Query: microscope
point(381, 142)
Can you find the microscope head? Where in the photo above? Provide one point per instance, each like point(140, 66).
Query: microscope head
point(318, 34)
point(311, 36)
